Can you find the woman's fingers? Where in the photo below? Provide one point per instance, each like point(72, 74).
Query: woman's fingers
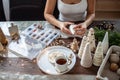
point(80, 31)
point(67, 31)
point(65, 27)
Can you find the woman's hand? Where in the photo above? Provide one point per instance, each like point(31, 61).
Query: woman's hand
point(80, 29)
point(64, 27)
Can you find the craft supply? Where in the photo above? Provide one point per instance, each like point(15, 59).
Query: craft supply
point(39, 36)
point(114, 67)
point(82, 46)
point(71, 27)
point(98, 56)
point(33, 39)
point(114, 58)
point(86, 60)
point(91, 39)
point(73, 31)
point(105, 43)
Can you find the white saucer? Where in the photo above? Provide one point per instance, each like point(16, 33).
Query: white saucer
point(46, 66)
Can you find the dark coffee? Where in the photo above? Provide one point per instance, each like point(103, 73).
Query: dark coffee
point(61, 61)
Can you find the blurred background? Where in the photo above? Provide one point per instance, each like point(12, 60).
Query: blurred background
point(32, 10)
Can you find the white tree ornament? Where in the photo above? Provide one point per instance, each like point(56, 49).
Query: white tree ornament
point(98, 56)
point(82, 46)
point(91, 39)
point(105, 43)
point(86, 60)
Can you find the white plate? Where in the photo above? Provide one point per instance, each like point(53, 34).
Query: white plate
point(47, 67)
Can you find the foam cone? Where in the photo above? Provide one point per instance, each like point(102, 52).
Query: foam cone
point(86, 60)
point(98, 56)
point(105, 43)
point(82, 46)
point(91, 39)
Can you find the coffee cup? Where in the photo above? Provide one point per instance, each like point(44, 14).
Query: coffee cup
point(62, 63)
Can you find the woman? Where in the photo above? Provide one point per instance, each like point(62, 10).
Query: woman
point(71, 11)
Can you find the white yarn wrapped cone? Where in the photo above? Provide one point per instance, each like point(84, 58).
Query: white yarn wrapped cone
point(86, 60)
point(105, 43)
point(91, 39)
point(98, 56)
point(82, 46)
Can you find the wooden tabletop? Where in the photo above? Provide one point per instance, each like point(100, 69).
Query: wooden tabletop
point(26, 66)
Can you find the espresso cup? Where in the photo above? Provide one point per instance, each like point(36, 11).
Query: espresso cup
point(61, 63)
